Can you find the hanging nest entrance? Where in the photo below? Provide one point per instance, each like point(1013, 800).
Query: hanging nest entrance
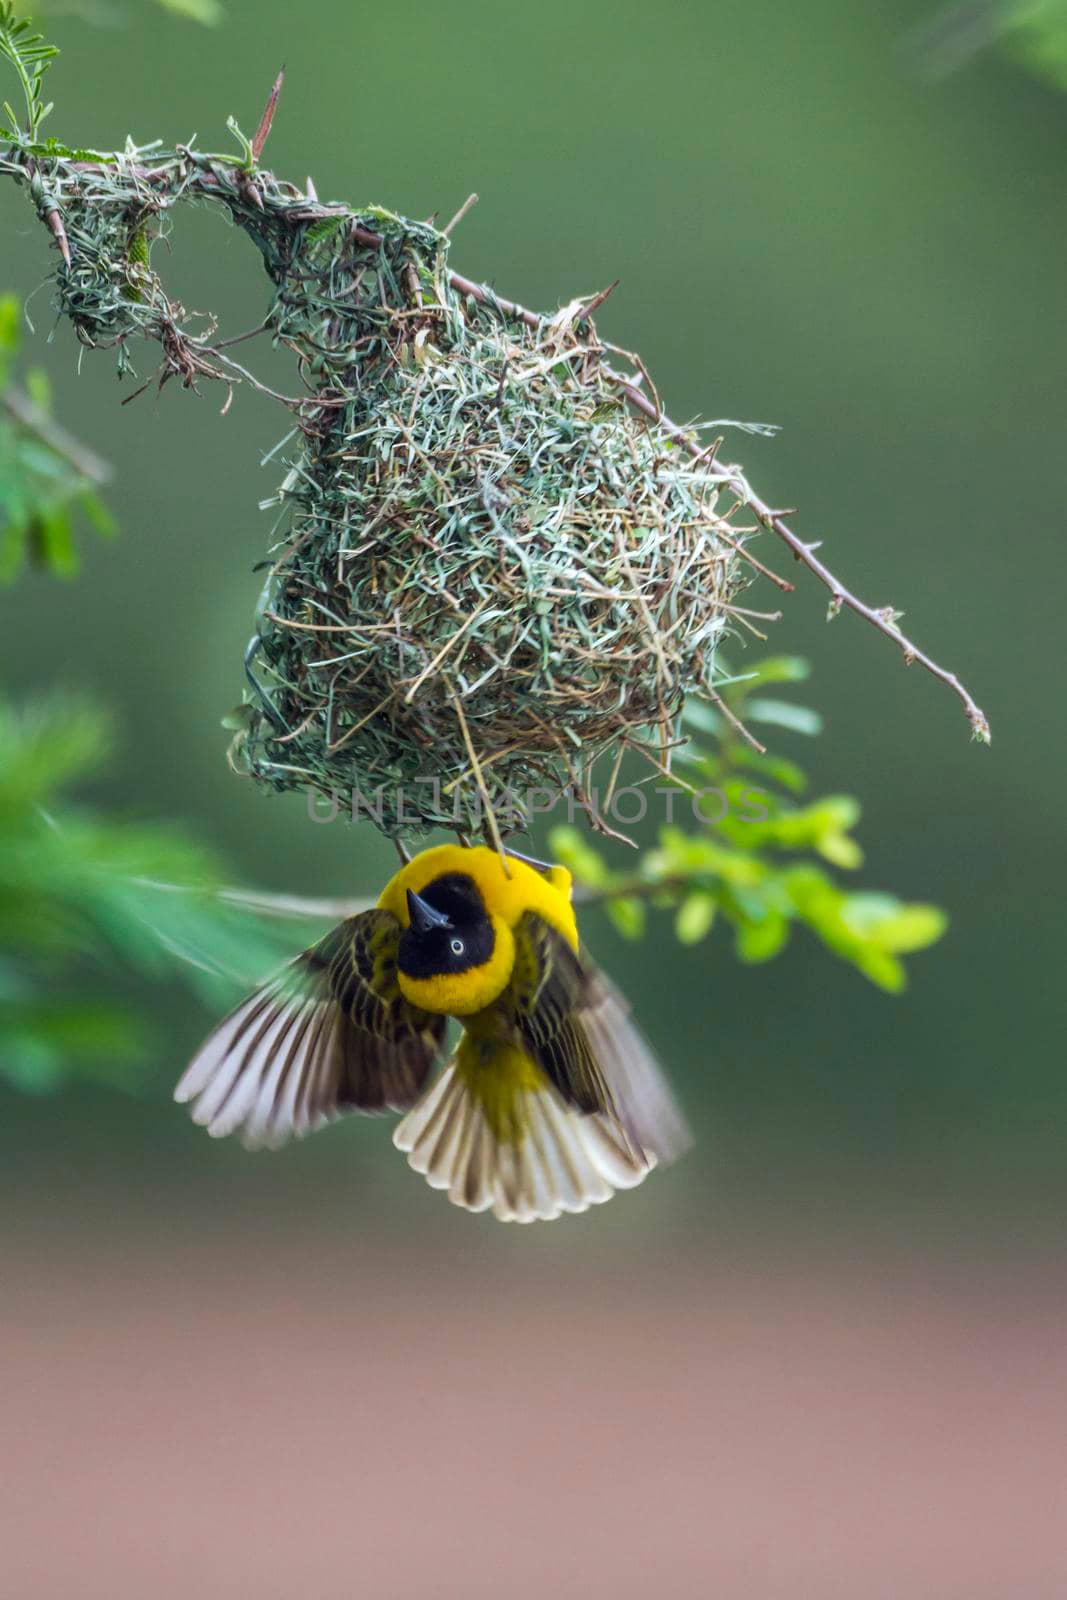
point(491, 573)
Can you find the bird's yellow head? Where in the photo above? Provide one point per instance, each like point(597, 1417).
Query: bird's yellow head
point(455, 955)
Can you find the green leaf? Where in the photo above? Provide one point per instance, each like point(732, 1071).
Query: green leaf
point(1036, 34)
point(573, 850)
point(821, 826)
point(704, 718)
point(734, 863)
point(10, 323)
point(627, 915)
point(775, 769)
point(248, 155)
point(777, 669)
point(839, 849)
point(73, 883)
point(51, 147)
point(868, 930)
point(762, 940)
point(882, 969)
point(894, 926)
point(53, 542)
point(695, 916)
point(208, 12)
point(29, 1064)
point(55, 148)
point(13, 536)
point(97, 515)
point(783, 714)
point(39, 388)
point(325, 229)
point(46, 479)
point(31, 55)
point(44, 747)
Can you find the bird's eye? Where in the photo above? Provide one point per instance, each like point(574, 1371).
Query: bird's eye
point(457, 947)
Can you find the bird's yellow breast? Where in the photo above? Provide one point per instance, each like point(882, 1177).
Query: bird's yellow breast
point(508, 893)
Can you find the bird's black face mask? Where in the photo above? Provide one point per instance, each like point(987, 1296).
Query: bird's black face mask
point(449, 930)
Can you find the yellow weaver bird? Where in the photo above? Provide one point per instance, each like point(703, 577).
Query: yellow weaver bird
point(551, 1100)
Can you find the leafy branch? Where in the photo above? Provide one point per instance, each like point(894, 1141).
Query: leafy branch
point(756, 863)
point(31, 56)
point(46, 475)
point(1033, 32)
point(82, 895)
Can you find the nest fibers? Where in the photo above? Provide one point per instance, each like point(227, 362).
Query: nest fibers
point(492, 572)
point(489, 572)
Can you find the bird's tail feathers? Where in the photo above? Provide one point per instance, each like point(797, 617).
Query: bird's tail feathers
point(529, 1160)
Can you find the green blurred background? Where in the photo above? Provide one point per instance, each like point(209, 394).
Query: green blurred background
point(808, 231)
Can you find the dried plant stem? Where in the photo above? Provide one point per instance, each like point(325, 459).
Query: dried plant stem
point(490, 814)
point(471, 200)
point(266, 121)
point(735, 722)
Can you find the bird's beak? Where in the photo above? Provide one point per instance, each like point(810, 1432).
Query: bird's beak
point(423, 916)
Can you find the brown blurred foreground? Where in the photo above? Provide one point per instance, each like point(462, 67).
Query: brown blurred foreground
point(278, 1418)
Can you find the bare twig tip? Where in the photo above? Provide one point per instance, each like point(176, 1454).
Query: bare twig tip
point(980, 729)
point(259, 138)
point(598, 299)
point(471, 200)
point(55, 223)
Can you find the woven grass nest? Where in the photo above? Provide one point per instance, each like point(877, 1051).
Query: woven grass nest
point(491, 573)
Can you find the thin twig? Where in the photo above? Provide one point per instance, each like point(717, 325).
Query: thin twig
point(239, 338)
point(598, 300)
point(746, 554)
point(484, 295)
point(773, 520)
point(471, 200)
point(735, 722)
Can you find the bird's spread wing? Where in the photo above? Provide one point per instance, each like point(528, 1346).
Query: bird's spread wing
point(330, 1033)
point(576, 1026)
